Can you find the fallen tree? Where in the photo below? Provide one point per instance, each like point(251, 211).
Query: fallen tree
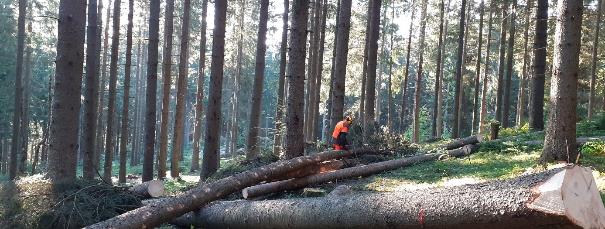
point(149, 189)
point(460, 142)
point(169, 208)
point(559, 198)
point(322, 167)
point(579, 141)
point(353, 172)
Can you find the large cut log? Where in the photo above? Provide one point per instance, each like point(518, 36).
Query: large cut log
point(579, 141)
point(558, 198)
point(149, 189)
point(322, 167)
point(353, 172)
point(460, 142)
point(169, 208)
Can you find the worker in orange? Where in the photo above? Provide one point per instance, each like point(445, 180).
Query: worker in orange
point(339, 136)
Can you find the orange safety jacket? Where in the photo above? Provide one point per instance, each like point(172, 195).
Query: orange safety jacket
point(340, 133)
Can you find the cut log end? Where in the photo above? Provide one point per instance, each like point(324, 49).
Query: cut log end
point(149, 189)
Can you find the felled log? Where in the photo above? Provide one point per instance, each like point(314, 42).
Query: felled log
point(579, 141)
point(460, 142)
point(149, 189)
point(169, 208)
point(364, 170)
point(558, 198)
point(322, 167)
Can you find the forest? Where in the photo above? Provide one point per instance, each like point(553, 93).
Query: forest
point(302, 114)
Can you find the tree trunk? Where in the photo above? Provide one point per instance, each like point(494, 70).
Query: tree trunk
point(391, 106)
point(521, 102)
point(101, 106)
point(536, 103)
point(13, 163)
point(213, 117)
point(476, 105)
point(406, 75)
point(340, 64)
point(167, 81)
point(380, 65)
point(460, 142)
point(317, 126)
point(199, 102)
point(501, 66)
point(27, 77)
point(137, 105)
point(353, 172)
point(417, 98)
point(531, 204)
point(313, 74)
point(62, 155)
point(372, 63)
point(595, 47)
point(364, 72)
point(279, 110)
point(561, 131)
point(328, 122)
point(483, 114)
point(296, 71)
point(151, 90)
point(438, 70)
point(459, 64)
point(126, 101)
point(439, 91)
point(509, 66)
point(155, 214)
point(259, 77)
point(148, 189)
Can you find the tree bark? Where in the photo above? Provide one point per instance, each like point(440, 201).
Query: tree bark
point(155, 214)
point(561, 131)
point(536, 117)
point(17, 112)
point(406, 75)
point(521, 102)
point(62, 155)
point(279, 110)
point(152, 75)
point(199, 102)
point(213, 118)
point(317, 129)
point(312, 88)
point(457, 143)
point(417, 98)
point(483, 114)
point(126, 100)
point(459, 64)
point(509, 65)
point(353, 172)
point(372, 63)
point(531, 204)
point(340, 64)
point(259, 72)
point(167, 81)
point(148, 189)
point(101, 106)
point(27, 78)
point(501, 65)
point(438, 70)
point(476, 105)
point(364, 72)
point(595, 60)
point(391, 106)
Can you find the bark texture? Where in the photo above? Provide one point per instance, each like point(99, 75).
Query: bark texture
point(438, 71)
point(459, 63)
point(279, 113)
point(476, 104)
point(126, 99)
point(167, 82)
point(89, 122)
point(509, 66)
point(501, 64)
point(372, 64)
point(341, 60)
point(417, 97)
point(595, 60)
point(199, 100)
point(536, 102)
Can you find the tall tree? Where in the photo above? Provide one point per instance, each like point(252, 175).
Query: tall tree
point(328, 125)
point(560, 138)
point(111, 104)
point(213, 118)
point(509, 65)
point(101, 105)
point(391, 106)
point(279, 110)
point(179, 119)
point(167, 79)
point(88, 143)
point(259, 77)
point(340, 64)
point(126, 99)
point(372, 63)
point(595, 59)
point(62, 155)
point(296, 73)
point(319, 70)
point(439, 69)
point(459, 56)
point(150, 95)
point(199, 102)
point(536, 102)
point(27, 78)
point(364, 73)
point(476, 104)
point(13, 164)
point(521, 102)
point(233, 127)
point(311, 69)
point(417, 98)
point(483, 114)
point(501, 65)
point(406, 76)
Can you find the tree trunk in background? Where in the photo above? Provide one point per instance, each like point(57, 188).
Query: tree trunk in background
point(179, 117)
point(476, 105)
point(279, 113)
point(340, 65)
point(406, 76)
point(259, 77)
point(312, 71)
point(521, 102)
point(88, 143)
point(380, 66)
point(234, 127)
point(459, 64)
point(501, 66)
point(199, 102)
point(560, 136)
point(100, 125)
point(466, 59)
point(167, 81)
point(372, 59)
point(126, 101)
point(295, 144)
point(136, 143)
point(13, 163)
point(509, 66)
point(328, 121)
point(439, 70)
point(440, 107)
point(483, 115)
point(417, 98)
point(27, 78)
point(213, 116)
point(111, 104)
point(536, 103)
point(62, 155)
point(151, 91)
point(391, 106)
point(364, 72)
point(595, 47)
point(317, 129)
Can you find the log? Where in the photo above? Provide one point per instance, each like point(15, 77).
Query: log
point(559, 198)
point(149, 189)
point(460, 142)
point(579, 141)
point(353, 172)
point(323, 167)
point(169, 208)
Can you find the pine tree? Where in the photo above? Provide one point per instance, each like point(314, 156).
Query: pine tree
point(459, 64)
point(199, 102)
point(167, 81)
point(126, 99)
point(279, 116)
point(536, 102)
